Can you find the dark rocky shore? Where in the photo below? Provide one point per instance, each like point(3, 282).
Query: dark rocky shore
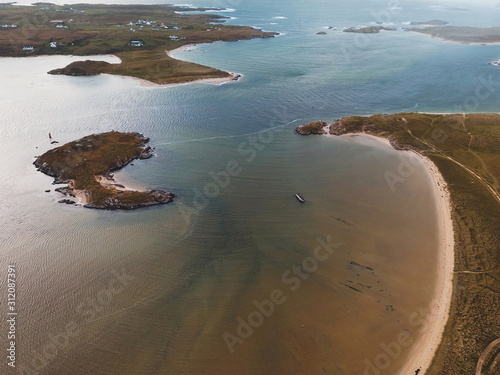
point(78, 164)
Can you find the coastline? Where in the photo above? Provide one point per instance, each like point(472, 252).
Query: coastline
point(424, 350)
point(425, 347)
point(233, 77)
point(454, 41)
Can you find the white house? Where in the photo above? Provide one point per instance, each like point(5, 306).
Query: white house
point(53, 45)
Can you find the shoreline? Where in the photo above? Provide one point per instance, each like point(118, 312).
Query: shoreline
point(233, 77)
point(425, 347)
point(444, 39)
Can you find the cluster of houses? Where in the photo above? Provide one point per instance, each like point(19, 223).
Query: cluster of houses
point(9, 26)
point(155, 26)
point(60, 24)
point(70, 10)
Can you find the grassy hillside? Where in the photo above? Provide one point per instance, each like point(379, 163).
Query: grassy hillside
point(85, 29)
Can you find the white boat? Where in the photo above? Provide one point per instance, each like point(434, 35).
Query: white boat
point(300, 198)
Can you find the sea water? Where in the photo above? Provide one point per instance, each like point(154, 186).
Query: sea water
point(236, 276)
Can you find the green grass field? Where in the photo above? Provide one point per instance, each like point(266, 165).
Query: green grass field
point(109, 29)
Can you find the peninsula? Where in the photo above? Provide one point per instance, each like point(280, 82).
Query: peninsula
point(462, 34)
point(140, 35)
point(86, 165)
point(465, 149)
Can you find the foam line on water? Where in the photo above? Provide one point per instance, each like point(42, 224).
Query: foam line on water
point(228, 136)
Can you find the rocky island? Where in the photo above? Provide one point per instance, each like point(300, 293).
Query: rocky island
point(368, 29)
point(434, 22)
point(87, 164)
point(465, 149)
point(140, 35)
point(315, 127)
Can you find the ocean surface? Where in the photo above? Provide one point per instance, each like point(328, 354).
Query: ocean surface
point(236, 276)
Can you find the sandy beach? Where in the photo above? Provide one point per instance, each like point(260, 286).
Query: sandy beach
point(424, 349)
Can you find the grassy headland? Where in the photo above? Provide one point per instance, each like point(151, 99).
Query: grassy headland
point(138, 34)
point(466, 149)
point(80, 163)
point(462, 34)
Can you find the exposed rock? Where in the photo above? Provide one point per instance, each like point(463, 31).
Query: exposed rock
point(66, 201)
point(114, 203)
point(316, 127)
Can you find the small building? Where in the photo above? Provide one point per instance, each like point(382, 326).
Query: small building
point(136, 43)
point(5, 26)
point(28, 48)
point(60, 26)
point(14, 26)
point(53, 45)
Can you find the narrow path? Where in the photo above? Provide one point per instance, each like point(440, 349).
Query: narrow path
point(484, 355)
point(479, 178)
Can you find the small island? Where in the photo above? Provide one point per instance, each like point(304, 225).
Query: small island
point(87, 165)
point(368, 29)
point(142, 36)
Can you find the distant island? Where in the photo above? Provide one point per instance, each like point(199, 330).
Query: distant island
point(462, 34)
point(429, 23)
point(368, 29)
point(465, 148)
point(86, 165)
point(140, 35)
